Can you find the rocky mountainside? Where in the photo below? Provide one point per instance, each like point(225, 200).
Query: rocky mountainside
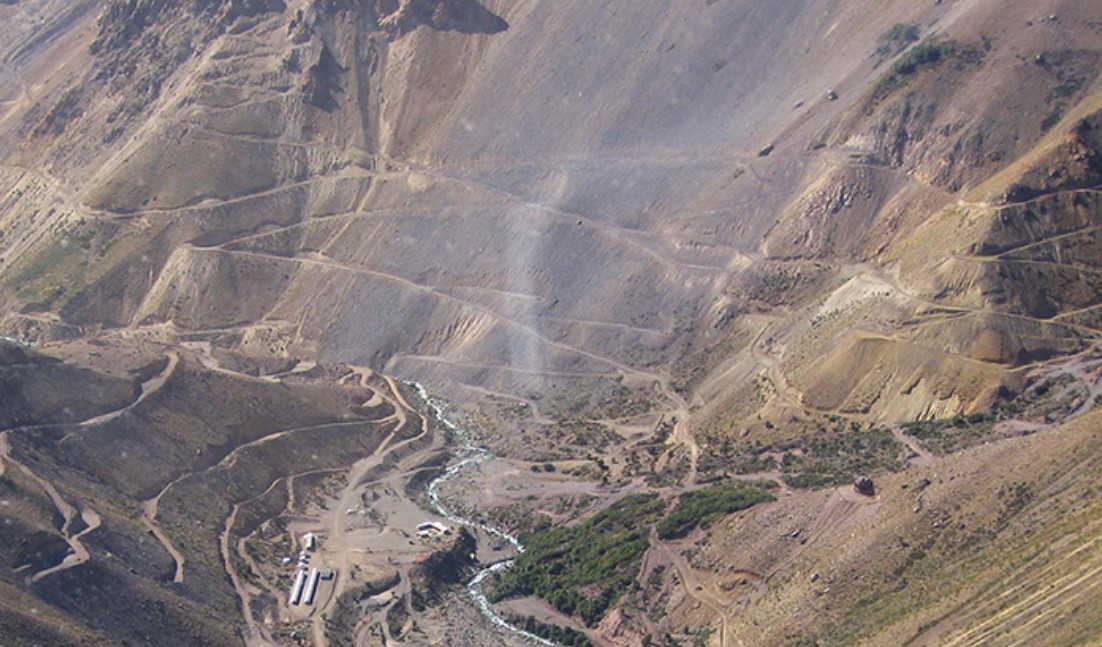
point(103, 519)
point(657, 242)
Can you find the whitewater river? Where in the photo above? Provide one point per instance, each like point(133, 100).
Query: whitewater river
point(471, 455)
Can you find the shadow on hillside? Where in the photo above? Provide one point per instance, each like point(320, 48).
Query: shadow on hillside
point(468, 17)
point(464, 16)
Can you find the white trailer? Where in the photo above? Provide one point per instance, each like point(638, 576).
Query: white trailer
point(312, 587)
point(296, 590)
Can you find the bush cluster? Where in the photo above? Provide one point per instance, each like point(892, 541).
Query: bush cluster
point(702, 507)
point(582, 570)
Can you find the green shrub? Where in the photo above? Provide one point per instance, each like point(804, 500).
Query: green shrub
point(921, 56)
point(815, 480)
point(897, 37)
point(924, 56)
point(601, 555)
point(556, 634)
point(702, 507)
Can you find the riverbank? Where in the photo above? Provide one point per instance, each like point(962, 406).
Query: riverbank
point(470, 455)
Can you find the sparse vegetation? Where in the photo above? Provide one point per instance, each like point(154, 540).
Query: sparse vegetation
point(520, 518)
point(826, 452)
point(604, 398)
point(1069, 69)
point(582, 570)
point(896, 38)
point(923, 56)
point(693, 367)
point(1047, 401)
point(815, 480)
point(703, 507)
point(674, 471)
point(559, 635)
point(845, 453)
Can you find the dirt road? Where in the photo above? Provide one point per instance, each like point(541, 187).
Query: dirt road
point(148, 388)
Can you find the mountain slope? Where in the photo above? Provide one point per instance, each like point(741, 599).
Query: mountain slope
point(674, 241)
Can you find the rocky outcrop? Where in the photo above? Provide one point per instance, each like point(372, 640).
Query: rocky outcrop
point(399, 17)
point(322, 80)
point(442, 569)
point(139, 44)
point(1074, 163)
point(125, 21)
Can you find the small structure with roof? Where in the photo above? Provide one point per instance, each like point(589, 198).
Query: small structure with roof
point(311, 587)
point(432, 529)
point(299, 585)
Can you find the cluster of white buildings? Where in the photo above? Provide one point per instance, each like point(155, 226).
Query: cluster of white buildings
point(304, 591)
point(305, 588)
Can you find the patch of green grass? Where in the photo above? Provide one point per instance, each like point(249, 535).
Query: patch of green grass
point(897, 37)
point(51, 269)
point(78, 254)
point(923, 56)
point(703, 507)
point(582, 570)
point(815, 481)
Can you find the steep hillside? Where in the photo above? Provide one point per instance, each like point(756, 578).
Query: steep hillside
point(226, 164)
point(125, 534)
point(653, 244)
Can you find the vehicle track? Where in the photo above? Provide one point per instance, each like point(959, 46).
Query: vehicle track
point(629, 237)
point(79, 554)
point(919, 454)
point(894, 284)
point(148, 388)
point(439, 359)
point(433, 291)
point(209, 204)
point(695, 588)
point(337, 518)
point(1035, 591)
point(258, 635)
point(149, 518)
point(1012, 205)
point(150, 506)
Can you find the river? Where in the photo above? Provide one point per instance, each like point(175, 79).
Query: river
point(470, 454)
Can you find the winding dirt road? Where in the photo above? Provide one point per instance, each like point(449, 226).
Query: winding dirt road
point(149, 516)
point(78, 553)
point(258, 635)
point(148, 388)
point(665, 552)
point(919, 454)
